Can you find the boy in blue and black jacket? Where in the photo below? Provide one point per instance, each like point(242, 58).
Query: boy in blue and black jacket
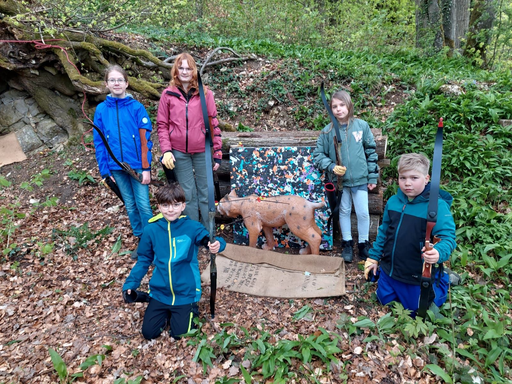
point(399, 247)
point(171, 242)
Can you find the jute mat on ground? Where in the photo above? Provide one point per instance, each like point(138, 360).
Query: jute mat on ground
point(265, 273)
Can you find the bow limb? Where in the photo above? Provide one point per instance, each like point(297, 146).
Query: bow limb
point(426, 276)
point(124, 166)
point(211, 199)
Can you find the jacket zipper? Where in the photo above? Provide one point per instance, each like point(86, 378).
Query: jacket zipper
point(171, 248)
point(394, 242)
point(119, 131)
point(186, 119)
point(348, 155)
point(135, 145)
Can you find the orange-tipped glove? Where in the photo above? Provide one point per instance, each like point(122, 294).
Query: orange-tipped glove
point(168, 160)
point(339, 170)
point(368, 265)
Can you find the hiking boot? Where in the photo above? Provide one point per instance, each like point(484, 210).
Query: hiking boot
point(134, 255)
point(436, 311)
point(347, 253)
point(455, 278)
point(364, 248)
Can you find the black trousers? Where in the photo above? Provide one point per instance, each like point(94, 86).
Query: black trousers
point(158, 315)
point(169, 174)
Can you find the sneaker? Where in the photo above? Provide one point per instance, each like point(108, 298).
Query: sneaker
point(347, 253)
point(455, 278)
point(364, 248)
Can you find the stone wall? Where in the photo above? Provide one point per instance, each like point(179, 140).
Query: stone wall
point(35, 130)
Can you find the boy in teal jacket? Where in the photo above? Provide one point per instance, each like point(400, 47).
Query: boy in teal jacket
point(171, 242)
point(399, 249)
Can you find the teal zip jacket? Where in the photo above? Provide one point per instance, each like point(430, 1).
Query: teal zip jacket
point(172, 247)
point(357, 153)
point(401, 235)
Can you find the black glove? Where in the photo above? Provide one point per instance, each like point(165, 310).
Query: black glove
point(373, 278)
point(135, 297)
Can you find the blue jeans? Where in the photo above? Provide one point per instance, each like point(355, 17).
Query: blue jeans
point(190, 171)
point(136, 200)
point(359, 195)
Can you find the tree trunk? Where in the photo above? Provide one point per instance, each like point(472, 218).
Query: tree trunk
point(481, 21)
point(11, 7)
point(47, 69)
point(455, 23)
point(289, 139)
point(428, 25)
point(442, 23)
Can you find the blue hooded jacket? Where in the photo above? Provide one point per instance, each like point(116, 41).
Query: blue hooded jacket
point(401, 235)
point(172, 247)
point(127, 128)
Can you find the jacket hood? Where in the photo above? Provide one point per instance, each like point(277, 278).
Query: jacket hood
point(425, 196)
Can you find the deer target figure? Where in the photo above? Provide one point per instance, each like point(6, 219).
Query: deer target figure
point(273, 212)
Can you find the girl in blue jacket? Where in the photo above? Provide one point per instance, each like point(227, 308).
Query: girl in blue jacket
point(127, 128)
point(359, 170)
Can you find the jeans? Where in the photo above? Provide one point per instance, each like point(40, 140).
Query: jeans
point(359, 195)
point(190, 171)
point(136, 200)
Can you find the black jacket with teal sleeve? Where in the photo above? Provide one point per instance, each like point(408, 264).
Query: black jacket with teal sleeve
point(357, 153)
point(401, 235)
point(172, 247)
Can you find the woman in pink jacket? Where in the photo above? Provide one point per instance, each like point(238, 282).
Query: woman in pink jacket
point(181, 133)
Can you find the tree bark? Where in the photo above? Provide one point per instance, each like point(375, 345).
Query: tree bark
point(455, 23)
point(481, 21)
point(11, 7)
point(59, 71)
point(441, 23)
point(428, 25)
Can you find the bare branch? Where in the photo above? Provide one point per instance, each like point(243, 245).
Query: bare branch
point(208, 58)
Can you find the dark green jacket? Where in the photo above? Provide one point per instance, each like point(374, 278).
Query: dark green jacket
point(357, 153)
point(401, 235)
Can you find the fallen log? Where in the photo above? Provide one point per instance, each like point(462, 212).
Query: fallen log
point(288, 139)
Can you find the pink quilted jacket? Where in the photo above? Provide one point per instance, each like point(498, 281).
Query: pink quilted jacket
point(181, 125)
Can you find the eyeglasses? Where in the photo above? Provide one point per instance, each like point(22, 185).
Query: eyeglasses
point(114, 81)
point(181, 69)
point(173, 206)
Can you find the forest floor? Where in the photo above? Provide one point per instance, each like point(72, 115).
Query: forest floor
point(68, 297)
